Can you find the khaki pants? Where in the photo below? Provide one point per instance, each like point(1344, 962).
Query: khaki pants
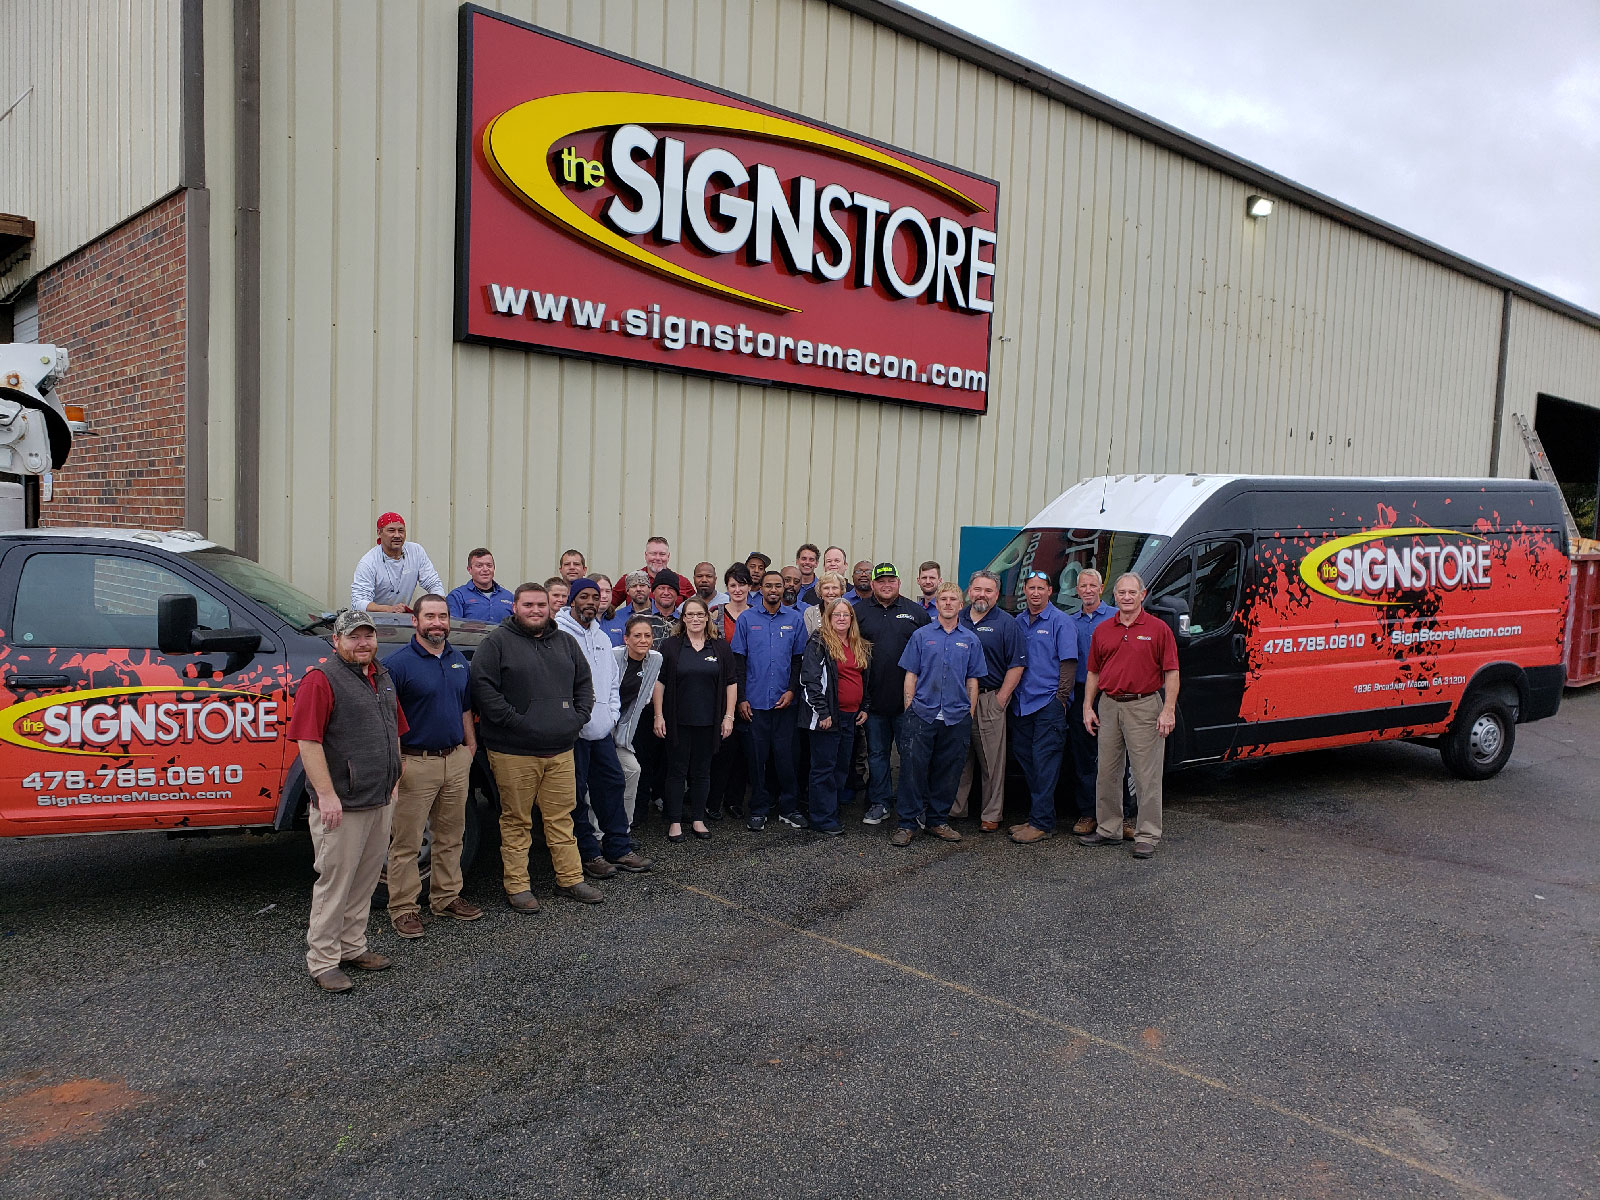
point(989, 753)
point(433, 792)
point(349, 860)
point(525, 780)
point(1130, 728)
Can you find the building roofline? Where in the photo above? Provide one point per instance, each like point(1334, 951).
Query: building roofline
point(893, 14)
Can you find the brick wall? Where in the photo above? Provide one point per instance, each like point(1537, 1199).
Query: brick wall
point(118, 307)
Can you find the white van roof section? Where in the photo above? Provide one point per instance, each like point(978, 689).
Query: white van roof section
point(1157, 504)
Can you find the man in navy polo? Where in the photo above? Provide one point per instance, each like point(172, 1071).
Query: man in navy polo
point(1003, 658)
point(767, 643)
point(943, 662)
point(431, 682)
point(480, 598)
point(1041, 702)
point(887, 620)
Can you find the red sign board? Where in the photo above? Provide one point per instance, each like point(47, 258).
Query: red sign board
point(612, 210)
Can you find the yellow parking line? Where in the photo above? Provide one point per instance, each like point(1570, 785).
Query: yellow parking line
point(1141, 1056)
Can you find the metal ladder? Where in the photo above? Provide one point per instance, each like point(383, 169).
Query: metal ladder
point(1541, 468)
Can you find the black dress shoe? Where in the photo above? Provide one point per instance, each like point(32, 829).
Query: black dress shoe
point(703, 834)
point(713, 814)
point(674, 837)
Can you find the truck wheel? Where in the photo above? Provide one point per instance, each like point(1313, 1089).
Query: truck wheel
point(1481, 739)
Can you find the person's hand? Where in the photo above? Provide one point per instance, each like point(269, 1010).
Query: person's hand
point(861, 717)
point(746, 713)
point(1165, 722)
point(784, 700)
point(825, 723)
point(1091, 720)
point(727, 727)
point(1066, 700)
point(330, 810)
point(660, 726)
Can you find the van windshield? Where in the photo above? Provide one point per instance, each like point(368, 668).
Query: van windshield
point(1063, 553)
point(261, 585)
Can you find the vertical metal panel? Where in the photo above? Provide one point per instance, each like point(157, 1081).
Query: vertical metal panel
point(97, 139)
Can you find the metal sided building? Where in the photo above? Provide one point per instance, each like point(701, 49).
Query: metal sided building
point(744, 273)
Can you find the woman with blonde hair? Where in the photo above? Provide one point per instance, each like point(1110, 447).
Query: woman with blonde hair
point(831, 695)
point(830, 586)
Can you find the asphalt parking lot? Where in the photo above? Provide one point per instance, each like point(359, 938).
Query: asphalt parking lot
point(1345, 974)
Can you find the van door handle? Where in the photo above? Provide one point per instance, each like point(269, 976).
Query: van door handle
point(37, 681)
point(1240, 647)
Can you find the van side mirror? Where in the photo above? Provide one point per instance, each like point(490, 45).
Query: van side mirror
point(1174, 610)
point(178, 632)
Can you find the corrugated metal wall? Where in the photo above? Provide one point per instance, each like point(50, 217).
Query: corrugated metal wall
point(1548, 354)
point(97, 139)
point(1142, 320)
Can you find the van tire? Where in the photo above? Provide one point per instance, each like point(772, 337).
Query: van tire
point(1480, 739)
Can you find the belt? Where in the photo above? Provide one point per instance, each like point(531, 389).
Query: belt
point(416, 753)
point(1125, 697)
point(983, 691)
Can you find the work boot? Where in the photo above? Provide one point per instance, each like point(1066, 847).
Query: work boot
point(460, 910)
point(408, 925)
point(583, 893)
point(1143, 849)
point(944, 833)
point(368, 960)
point(1084, 825)
point(632, 861)
point(1127, 830)
point(598, 868)
point(1095, 839)
point(1030, 833)
point(900, 837)
point(523, 902)
point(333, 980)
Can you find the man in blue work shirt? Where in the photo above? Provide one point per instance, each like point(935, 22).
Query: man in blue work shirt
point(1003, 656)
point(943, 662)
point(888, 621)
point(431, 683)
point(767, 643)
point(1085, 746)
point(481, 598)
point(1039, 707)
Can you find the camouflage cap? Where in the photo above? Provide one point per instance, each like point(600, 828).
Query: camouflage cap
point(351, 619)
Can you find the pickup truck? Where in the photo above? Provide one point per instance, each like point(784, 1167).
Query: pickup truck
point(146, 681)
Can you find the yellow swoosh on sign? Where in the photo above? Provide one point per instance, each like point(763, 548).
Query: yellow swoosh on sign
point(518, 142)
point(1311, 564)
point(11, 715)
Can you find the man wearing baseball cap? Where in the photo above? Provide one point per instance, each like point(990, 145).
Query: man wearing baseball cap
point(887, 620)
point(389, 574)
point(348, 723)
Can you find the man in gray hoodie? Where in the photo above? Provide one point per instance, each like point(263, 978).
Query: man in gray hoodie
point(600, 781)
point(533, 692)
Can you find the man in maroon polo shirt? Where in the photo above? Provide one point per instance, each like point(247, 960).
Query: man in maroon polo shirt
point(1133, 662)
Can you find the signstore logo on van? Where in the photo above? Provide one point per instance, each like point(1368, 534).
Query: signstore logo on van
point(1391, 566)
point(95, 721)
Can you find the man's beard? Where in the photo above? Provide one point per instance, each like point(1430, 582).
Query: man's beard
point(436, 638)
point(789, 597)
point(979, 607)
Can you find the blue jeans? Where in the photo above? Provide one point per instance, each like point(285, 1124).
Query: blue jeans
point(600, 788)
point(1037, 740)
point(830, 765)
point(931, 754)
point(772, 732)
point(881, 734)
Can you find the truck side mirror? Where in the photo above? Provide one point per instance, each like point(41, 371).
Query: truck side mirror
point(1174, 610)
point(177, 632)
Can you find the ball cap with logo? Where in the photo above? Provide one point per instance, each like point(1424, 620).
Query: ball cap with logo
point(351, 619)
point(885, 571)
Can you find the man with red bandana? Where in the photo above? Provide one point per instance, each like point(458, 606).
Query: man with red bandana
point(390, 573)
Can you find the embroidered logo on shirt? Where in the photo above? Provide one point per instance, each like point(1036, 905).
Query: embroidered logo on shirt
point(904, 617)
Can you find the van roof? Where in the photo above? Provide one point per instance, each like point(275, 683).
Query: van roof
point(1160, 504)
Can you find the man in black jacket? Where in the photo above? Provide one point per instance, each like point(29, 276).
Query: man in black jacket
point(533, 692)
point(888, 620)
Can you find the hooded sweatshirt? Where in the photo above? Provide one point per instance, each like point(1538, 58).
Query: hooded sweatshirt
point(532, 691)
point(596, 646)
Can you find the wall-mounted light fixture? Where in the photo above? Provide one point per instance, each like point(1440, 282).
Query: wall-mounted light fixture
point(1257, 207)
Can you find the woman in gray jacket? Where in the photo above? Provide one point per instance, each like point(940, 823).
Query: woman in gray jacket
point(638, 667)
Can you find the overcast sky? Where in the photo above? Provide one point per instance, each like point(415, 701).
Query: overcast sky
point(1472, 123)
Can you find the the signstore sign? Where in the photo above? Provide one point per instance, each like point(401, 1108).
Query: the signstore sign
point(612, 210)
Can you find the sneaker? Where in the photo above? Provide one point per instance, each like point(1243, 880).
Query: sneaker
point(756, 824)
point(713, 814)
point(368, 960)
point(1030, 833)
point(1143, 849)
point(333, 980)
point(460, 910)
point(876, 815)
point(794, 820)
point(900, 837)
point(632, 861)
point(1094, 839)
point(583, 893)
point(1084, 825)
point(944, 833)
point(598, 868)
point(408, 925)
point(828, 832)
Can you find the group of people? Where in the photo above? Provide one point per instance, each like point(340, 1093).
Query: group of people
point(598, 700)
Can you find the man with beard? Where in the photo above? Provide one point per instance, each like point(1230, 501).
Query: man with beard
point(1003, 657)
point(430, 677)
point(705, 584)
point(598, 772)
point(861, 577)
point(790, 576)
point(532, 688)
point(636, 586)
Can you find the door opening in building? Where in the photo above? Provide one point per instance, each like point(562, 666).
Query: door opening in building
point(1571, 436)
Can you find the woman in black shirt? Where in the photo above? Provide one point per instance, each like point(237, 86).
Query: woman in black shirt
point(694, 702)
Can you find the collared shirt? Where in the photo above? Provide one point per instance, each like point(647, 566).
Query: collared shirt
point(1132, 659)
point(769, 643)
point(661, 628)
point(313, 705)
point(468, 603)
point(1086, 624)
point(1048, 640)
point(1002, 644)
point(943, 661)
point(888, 628)
point(433, 694)
point(615, 626)
point(930, 605)
point(856, 597)
point(380, 579)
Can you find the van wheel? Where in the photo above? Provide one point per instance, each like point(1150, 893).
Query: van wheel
point(1481, 739)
